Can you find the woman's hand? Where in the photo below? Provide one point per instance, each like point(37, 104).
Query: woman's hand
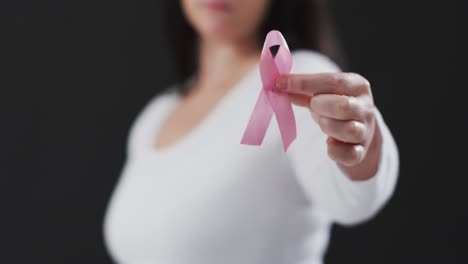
point(343, 106)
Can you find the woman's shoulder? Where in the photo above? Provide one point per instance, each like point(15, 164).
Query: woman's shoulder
point(309, 61)
point(151, 108)
point(141, 130)
point(157, 100)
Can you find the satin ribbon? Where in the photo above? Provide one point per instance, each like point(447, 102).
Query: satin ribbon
point(271, 100)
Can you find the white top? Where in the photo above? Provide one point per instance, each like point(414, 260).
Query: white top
point(210, 200)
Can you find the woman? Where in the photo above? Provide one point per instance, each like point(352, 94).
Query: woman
point(190, 193)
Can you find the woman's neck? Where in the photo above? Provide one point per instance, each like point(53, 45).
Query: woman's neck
point(222, 64)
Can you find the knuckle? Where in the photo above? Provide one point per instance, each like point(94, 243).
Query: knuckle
point(369, 115)
point(324, 123)
point(321, 121)
point(342, 80)
point(354, 82)
point(302, 84)
point(294, 84)
point(356, 154)
point(346, 105)
point(355, 131)
point(366, 84)
point(313, 103)
point(335, 80)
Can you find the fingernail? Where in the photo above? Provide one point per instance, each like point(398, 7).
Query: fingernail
point(282, 83)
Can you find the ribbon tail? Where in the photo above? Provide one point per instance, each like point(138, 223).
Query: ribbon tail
point(285, 117)
point(259, 121)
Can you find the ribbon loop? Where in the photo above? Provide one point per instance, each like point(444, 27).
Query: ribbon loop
point(272, 101)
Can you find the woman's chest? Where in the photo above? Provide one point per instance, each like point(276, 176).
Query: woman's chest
point(183, 117)
point(191, 204)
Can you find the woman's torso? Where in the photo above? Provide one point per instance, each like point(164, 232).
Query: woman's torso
point(207, 199)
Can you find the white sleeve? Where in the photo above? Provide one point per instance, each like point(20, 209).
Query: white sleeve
point(328, 188)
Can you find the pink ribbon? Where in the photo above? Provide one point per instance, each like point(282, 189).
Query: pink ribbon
point(271, 100)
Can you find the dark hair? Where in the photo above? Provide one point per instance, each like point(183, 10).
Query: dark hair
point(304, 23)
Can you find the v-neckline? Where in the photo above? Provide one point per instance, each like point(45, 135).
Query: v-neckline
point(189, 138)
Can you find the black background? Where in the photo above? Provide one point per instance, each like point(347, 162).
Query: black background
point(75, 73)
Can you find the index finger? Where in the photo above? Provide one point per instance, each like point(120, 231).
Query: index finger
point(321, 83)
